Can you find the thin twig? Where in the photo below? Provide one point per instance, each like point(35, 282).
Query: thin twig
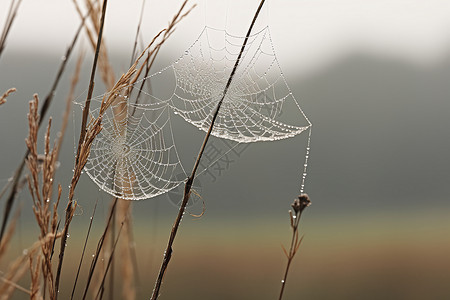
point(190, 179)
point(138, 31)
point(110, 260)
point(99, 249)
point(12, 13)
point(84, 250)
point(167, 33)
point(299, 205)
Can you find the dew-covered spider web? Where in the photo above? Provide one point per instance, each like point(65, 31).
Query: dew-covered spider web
point(134, 156)
point(258, 106)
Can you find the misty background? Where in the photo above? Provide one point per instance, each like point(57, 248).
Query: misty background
point(374, 81)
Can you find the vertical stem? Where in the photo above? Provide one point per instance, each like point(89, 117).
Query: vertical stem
point(291, 256)
point(111, 259)
point(190, 180)
point(69, 207)
point(91, 81)
point(299, 205)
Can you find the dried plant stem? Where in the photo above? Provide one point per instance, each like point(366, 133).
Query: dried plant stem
point(299, 205)
point(6, 94)
point(106, 70)
point(79, 165)
point(40, 184)
point(14, 7)
point(109, 264)
point(47, 101)
point(151, 56)
point(138, 31)
point(84, 250)
point(99, 249)
point(91, 83)
point(190, 179)
point(69, 99)
point(9, 234)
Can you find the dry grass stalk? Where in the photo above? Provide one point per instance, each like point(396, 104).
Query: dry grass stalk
point(84, 145)
point(188, 185)
point(125, 246)
point(35, 282)
point(6, 94)
point(12, 13)
point(167, 32)
point(109, 264)
point(19, 267)
point(121, 218)
point(298, 206)
point(45, 212)
point(106, 70)
point(9, 234)
point(126, 265)
point(99, 249)
point(15, 182)
point(114, 97)
point(73, 84)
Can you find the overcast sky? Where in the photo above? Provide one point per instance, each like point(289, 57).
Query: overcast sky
point(307, 34)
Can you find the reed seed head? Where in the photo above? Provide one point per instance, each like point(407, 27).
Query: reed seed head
point(301, 203)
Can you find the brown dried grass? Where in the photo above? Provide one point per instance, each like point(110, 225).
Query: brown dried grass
point(38, 258)
point(6, 94)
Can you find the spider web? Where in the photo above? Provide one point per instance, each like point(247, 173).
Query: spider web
point(134, 156)
point(252, 108)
